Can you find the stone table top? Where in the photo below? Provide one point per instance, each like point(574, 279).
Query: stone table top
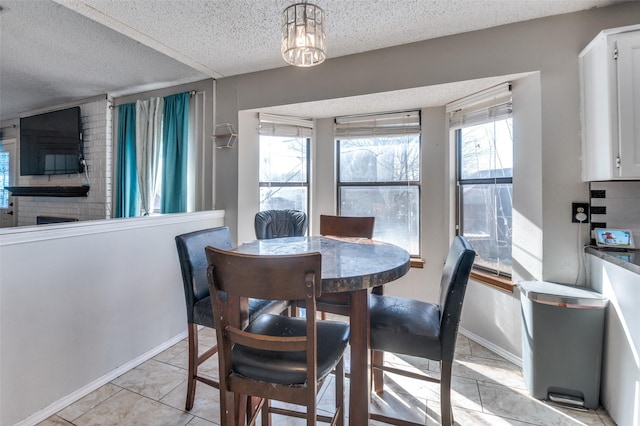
point(348, 264)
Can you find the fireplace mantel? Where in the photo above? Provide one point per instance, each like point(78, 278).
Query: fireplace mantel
point(49, 191)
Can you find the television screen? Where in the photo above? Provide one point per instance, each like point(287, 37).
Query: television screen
point(51, 143)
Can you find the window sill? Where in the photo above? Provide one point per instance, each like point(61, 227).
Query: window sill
point(498, 282)
point(416, 262)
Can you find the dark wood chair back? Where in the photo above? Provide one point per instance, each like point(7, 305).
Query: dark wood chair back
point(263, 358)
point(343, 226)
point(347, 226)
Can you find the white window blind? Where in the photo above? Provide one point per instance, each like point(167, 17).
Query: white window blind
point(488, 105)
point(391, 124)
point(280, 125)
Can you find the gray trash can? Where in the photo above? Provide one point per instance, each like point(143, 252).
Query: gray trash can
point(562, 334)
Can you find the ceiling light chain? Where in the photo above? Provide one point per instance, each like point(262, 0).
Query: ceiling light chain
point(303, 37)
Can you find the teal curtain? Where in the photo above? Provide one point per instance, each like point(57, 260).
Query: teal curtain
point(175, 127)
point(127, 199)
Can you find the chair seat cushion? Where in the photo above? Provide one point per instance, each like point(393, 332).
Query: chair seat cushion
point(289, 368)
point(203, 313)
point(405, 326)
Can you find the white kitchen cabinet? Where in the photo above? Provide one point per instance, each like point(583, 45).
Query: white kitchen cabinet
point(610, 105)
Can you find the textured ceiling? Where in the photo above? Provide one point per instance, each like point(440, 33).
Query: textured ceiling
point(55, 51)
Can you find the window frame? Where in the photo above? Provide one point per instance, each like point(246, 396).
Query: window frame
point(481, 273)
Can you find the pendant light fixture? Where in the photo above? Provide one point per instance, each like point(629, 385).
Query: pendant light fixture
point(303, 39)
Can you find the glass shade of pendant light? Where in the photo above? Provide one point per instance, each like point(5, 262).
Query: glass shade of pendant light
point(303, 38)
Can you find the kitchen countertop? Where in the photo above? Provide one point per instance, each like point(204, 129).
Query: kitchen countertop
point(629, 260)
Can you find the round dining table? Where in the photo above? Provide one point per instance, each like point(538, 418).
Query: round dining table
point(349, 265)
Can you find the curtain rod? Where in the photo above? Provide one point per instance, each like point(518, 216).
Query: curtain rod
point(192, 93)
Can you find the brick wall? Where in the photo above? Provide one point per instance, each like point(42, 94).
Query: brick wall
point(97, 121)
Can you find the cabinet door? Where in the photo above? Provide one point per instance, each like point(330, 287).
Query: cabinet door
point(628, 46)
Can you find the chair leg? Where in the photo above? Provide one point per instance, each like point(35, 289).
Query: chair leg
point(266, 415)
point(242, 405)
point(228, 410)
point(293, 310)
point(339, 378)
point(446, 411)
point(192, 330)
point(312, 408)
point(377, 358)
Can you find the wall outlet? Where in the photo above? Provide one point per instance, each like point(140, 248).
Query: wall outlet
point(580, 212)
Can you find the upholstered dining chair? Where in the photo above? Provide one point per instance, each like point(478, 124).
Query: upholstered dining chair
point(427, 330)
point(274, 357)
point(280, 223)
point(343, 226)
point(193, 265)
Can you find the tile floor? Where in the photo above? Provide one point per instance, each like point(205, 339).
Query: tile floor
point(487, 390)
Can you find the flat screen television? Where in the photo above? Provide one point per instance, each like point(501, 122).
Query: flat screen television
point(51, 143)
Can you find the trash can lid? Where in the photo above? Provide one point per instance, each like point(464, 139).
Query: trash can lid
point(562, 295)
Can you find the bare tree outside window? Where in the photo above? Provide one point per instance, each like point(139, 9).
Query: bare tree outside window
point(485, 178)
point(284, 173)
point(380, 177)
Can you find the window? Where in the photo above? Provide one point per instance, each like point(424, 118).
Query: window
point(4, 179)
point(284, 163)
point(379, 174)
point(484, 145)
point(152, 156)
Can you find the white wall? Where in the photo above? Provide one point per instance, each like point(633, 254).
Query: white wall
point(549, 154)
point(82, 303)
point(248, 198)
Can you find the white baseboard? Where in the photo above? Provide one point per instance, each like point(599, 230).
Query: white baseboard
point(58, 405)
point(492, 347)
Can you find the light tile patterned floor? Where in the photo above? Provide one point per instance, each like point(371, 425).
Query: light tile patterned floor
point(487, 390)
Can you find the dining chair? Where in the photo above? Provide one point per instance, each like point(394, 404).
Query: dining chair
point(347, 226)
point(343, 226)
point(280, 223)
point(274, 357)
point(427, 330)
point(193, 265)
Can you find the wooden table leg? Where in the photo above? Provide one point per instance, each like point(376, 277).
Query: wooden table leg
point(360, 381)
